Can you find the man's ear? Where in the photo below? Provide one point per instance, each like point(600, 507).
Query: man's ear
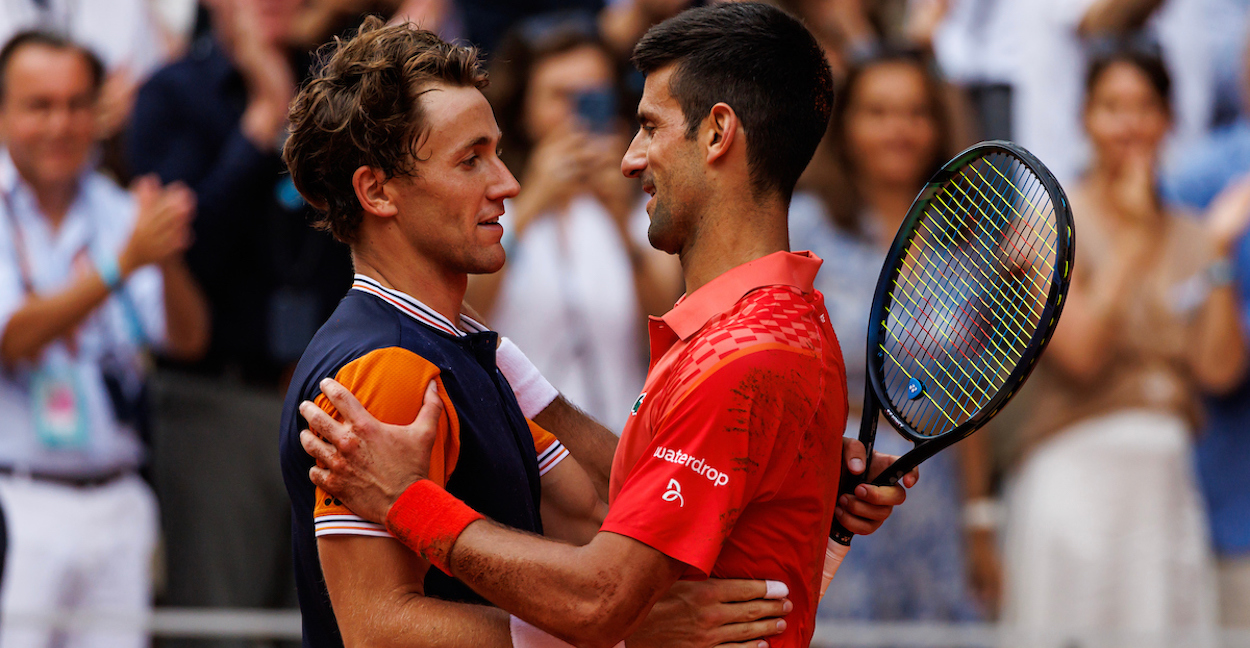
point(720, 131)
point(370, 186)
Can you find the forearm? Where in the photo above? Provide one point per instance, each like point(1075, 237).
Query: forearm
point(974, 460)
point(1086, 334)
point(1218, 358)
point(42, 319)
point(572, 510)
point(186, 313)
point(592, 444)
point(415, 621)
point(594, 595)
point(376, 589)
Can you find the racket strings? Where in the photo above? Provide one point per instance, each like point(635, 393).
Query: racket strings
point(987, 262)
point(969, 294)
point(987, 390)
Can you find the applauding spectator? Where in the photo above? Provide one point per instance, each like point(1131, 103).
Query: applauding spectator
point(89, 277)
point(1106, 530)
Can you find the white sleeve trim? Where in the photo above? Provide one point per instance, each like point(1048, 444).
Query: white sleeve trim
point(551, 457)
point(339, 524)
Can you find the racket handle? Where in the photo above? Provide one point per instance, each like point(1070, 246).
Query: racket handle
point(834, 553)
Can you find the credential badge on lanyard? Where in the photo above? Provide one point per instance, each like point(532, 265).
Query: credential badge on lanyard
point(57, 405)
point(60, 415)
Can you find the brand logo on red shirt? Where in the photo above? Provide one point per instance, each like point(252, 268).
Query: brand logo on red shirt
point(674, 493)
point(698, 465)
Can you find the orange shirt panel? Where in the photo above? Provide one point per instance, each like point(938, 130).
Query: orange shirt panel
point(391, 383)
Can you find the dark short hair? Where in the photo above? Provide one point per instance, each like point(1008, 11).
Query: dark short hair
point(1144, 56)
point(764, 64)
point(51, 40)
point(362, 108)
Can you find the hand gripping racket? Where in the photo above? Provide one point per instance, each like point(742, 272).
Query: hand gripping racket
point(969, 295)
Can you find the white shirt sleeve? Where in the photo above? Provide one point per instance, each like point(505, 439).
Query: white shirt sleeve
point(12, 295)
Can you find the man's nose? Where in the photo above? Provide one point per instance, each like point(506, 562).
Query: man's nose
point(635, 160)
point(505, 185)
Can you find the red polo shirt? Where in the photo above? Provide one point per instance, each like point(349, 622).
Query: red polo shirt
point(730, 460)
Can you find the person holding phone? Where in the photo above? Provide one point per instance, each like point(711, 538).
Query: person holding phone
point(580, 277)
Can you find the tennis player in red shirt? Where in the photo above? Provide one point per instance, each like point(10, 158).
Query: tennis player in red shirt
point(729, 465)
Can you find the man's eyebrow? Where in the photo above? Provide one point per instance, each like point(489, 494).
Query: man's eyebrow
point(481, 140)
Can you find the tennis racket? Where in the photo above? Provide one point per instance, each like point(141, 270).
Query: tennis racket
point(969, 295)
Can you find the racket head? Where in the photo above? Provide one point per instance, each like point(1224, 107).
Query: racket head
point(968, 297)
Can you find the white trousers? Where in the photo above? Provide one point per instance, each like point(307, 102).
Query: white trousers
point(77, 550)
point(1106, 532)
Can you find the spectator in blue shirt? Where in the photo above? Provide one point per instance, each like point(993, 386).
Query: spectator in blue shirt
point(1213, 177)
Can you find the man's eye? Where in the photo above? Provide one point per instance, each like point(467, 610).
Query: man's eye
point(470, 162)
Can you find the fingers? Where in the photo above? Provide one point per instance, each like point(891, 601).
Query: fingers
point(431, 409)
point(731, 590)
point(853, 455)
point(146, 190)
point(323, 425)
point(854, 524)
point(880, 462)
point(757, 610)
point(345, 402)
point(318, 449)
point(862, 509)
point(880, 495)
point(752, 635)
point(319, 477)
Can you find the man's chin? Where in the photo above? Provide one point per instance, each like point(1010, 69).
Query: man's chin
point(488, 264)
point(662, 239)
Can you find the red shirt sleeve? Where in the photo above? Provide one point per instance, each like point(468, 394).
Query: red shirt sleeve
point(711, 455)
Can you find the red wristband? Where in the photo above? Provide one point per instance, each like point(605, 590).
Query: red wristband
point(428, 519)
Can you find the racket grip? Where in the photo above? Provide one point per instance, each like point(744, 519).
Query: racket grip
point(834, 553)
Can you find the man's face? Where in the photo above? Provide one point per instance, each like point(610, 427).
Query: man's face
point(667, 163)
point(449, 212)
point(47, 116)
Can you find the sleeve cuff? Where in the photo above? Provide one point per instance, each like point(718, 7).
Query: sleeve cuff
point(339, 524)
point(551, 457)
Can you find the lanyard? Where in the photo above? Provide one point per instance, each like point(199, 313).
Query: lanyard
point(19, 245)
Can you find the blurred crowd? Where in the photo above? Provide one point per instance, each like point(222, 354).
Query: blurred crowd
point(159, 279)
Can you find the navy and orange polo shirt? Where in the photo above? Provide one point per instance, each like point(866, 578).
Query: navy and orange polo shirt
point(731, 458)
point(385, 346)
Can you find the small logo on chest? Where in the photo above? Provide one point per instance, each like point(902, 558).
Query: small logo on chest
point(637, 404)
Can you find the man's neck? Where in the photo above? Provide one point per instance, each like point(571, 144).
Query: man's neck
point(54, 200)
point(730, 236)
point(406, 272)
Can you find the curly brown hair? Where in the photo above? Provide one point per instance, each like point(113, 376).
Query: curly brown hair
point(362, 108)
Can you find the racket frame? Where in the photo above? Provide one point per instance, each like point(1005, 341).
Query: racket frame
point(876, 400)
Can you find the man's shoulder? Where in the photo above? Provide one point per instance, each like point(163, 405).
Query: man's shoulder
point(772, 330)
point(769, 317)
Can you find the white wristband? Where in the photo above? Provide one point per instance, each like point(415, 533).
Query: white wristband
point(525, 635)
point(982, 513)
point(532, 391)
